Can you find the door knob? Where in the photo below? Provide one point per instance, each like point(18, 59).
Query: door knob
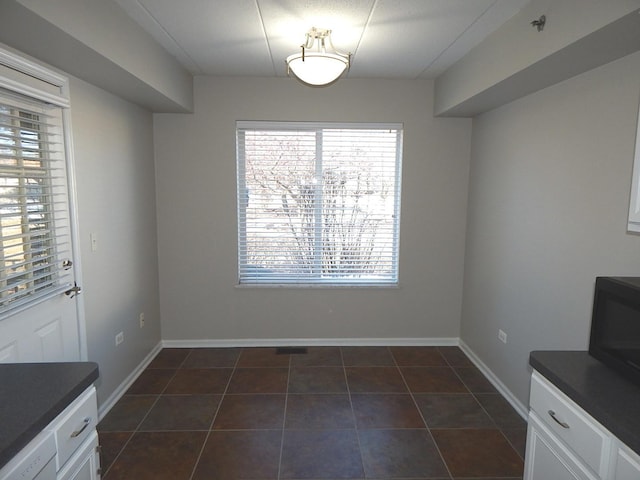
point(73, 291)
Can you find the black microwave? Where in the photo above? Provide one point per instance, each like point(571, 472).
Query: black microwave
point(615, 324)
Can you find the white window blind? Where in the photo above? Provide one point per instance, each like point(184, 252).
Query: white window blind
point(318, 203)
point(34, 220)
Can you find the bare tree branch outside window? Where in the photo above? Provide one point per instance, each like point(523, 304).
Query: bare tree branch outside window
point(319, 205)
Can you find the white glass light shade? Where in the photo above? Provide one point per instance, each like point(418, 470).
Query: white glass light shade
point(318, 69)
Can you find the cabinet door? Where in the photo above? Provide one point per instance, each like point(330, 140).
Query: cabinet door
point(84, 464)
point(627, 465)
point(547, 458)
point(86, 471)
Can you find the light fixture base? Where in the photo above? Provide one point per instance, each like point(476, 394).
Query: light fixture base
point(318, 68)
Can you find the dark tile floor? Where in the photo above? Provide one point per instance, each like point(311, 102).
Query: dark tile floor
point(333, 413)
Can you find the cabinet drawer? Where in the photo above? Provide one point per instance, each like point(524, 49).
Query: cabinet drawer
point(587, 438)
point(76, 424)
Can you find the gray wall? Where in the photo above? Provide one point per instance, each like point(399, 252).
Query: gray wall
point(548, 203)
point(516, 59)
point(97, 41)
point(116, 201)
point(196, 191)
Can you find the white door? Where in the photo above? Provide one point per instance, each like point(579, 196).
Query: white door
point(47, 332)
point(39, 311)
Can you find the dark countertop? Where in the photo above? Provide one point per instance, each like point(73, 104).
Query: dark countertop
point(32, 395)
point(602, 392)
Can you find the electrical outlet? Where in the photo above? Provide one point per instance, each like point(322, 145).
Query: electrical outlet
point(502, 336)
point(141, 319)
point(119, 338)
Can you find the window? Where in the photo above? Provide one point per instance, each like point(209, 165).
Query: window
point(318, 203)
point(34, 223)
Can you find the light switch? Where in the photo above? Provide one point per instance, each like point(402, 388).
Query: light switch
point(94, 242)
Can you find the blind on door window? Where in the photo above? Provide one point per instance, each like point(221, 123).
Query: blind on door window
point(34, 219)
point(318, 203)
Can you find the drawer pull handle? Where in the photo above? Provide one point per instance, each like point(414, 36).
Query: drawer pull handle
point(85, 424)
point(552, 414)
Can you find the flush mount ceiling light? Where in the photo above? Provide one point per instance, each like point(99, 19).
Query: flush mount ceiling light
point(318, 68)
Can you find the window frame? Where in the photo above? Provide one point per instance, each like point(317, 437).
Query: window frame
point(392, 279)
point(34, 220)
point(22, 76)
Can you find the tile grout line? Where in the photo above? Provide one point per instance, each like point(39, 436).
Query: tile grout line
point(353, 413)
point(424, 420)
point(450, 364)
point(104, 474)
point(475, 398)
point(158, 395)
point(210, 431)
point(495, 423)
point(284, 420)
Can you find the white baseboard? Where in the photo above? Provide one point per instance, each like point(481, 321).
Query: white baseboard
point(344, 342)
point(259, 342)
point(309, 342)
point(314, 342)
point(495, 381)
point(124, 386)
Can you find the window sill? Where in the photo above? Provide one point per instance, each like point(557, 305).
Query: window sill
point(316, 286)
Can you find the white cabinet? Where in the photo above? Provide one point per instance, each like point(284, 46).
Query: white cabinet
point(566, 443)
point(548, 458)
point(34, 462)
point(73, 426)
point(570, 425)
point(77, 439)
point(627, 464)
point(65, 450)
point(85, 463)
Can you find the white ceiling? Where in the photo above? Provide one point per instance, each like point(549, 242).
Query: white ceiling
point(406, 39)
